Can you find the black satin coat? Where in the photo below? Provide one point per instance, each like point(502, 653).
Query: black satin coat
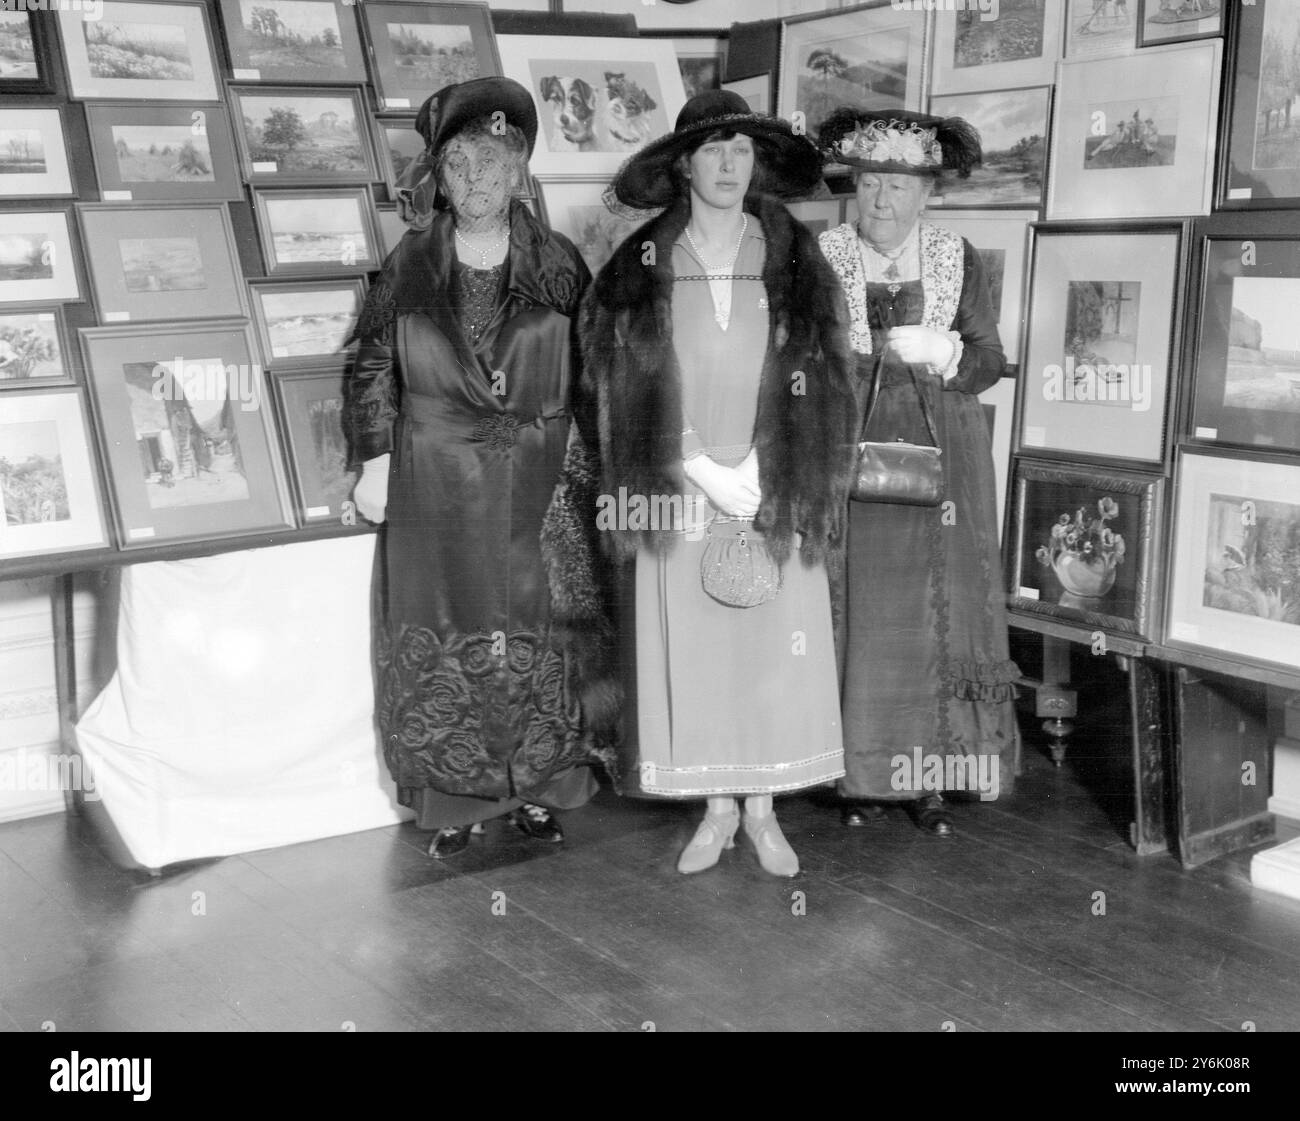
point(486, 601)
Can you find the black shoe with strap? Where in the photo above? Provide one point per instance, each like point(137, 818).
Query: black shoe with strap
point(536, 822)
point(449, 841)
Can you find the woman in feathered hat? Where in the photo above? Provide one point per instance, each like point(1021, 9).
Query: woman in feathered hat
point(491, 692)
point(715, 340)
point(927, 662)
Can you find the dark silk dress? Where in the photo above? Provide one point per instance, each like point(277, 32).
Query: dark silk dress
point(927, 661)
point(465, 376)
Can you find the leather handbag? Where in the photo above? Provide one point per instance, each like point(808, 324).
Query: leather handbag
point(896, 471)
point(736, 568)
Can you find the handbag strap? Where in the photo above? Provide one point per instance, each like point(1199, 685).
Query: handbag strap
point(926, 411)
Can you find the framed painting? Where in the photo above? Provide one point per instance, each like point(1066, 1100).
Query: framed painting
point(155, 50)
point(1103, 317)
point(1001, 238)
point(187, 431)
point(315, 231)
point(578, 211)
point(998, 404)
point(1084, 546)
point(1234, 587)
point(593, 114)
point(33, 154)
point(1173, 21)
point(314, 41)
point(26, 65)
point(160, 261)
point(38, 263)
point(1012, 43)
point(397, 144)
point(416, 49)
point(49, 490)
point(1135, 136)
point(873, 54)
point(756, 90)
point(294, 136)
point(1244, 371)
point(1262, 128)
point(1013, 128)
point(163, 153)
point(34, 349)
point(819, 215)
point(310, 403)
point(702, 61)
point(1094, 28)
point(303, 323)
point(391, 228)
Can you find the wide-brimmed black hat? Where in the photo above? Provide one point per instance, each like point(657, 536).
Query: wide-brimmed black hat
point(901, 142)
point(449, 110)
point(792, 165)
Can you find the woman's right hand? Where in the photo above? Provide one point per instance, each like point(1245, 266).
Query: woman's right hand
point(371, 492)
point(730, 490)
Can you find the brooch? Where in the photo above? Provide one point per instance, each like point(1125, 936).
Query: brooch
point(499, 430)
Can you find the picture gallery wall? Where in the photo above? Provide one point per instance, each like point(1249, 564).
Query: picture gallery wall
point(195, 194)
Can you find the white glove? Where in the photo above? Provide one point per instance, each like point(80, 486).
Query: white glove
point(727, 488)
point(371, 492)
point(922, 346)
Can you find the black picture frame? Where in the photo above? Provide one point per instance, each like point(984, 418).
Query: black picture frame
point(1182, 24)
point(309, 403)
point(40, 32)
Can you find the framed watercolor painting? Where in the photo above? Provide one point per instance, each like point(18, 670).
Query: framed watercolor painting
point(156, 51)
point(756, 90)
point(303, 323)
point(1262, 132)
point(164, 153)
point(1013, 127)
point(33, 154)
point(1096, 28)
point(416, 49)
point(869, 55)
point(578, 211)
point(187, 431)
point(1234, 588)
point(312, 41)
point(26, 65)
point(397, 144)
point(34, 349)
point(391, 228)
point(819, 215)
point(310, 403)
point(1103, 321)
point(294, 136)
point(1016, 45)
point(1085, 545)
point(1001, 238)
point(315, 231)
point(998, 404)
point(702, 61)
point(49, 489)
point(1135, 136)
point(1244, 371)
point(593, 114)
point(160, 261)
point(38, 262)
point(1172, 21)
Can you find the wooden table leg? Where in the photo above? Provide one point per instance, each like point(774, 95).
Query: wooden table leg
point(1150, 729)
point(65, 685)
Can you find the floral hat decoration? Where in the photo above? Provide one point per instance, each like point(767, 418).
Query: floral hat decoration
point(898, 141)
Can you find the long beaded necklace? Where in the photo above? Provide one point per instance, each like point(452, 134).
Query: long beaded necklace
point(484, 254)
point(719, 281)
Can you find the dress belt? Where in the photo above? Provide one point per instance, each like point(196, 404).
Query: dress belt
point(497, 428)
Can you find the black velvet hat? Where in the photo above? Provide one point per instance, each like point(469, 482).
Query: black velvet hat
point(449, 110)
point(792, 166)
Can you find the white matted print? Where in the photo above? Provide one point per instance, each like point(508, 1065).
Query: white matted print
point(33, 159)
point(1100, 27)
point(49, 498)
point(1013, 43)
point(155, 51)
point(1134, 137)
point(598, 99)
point(36, 257)
point(1235, 587)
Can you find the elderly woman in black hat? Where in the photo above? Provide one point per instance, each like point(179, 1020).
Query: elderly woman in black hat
point(927, 664)
point(715, 338)
point(460, 408)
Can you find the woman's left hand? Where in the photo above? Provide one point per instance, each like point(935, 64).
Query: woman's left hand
point(921, 346)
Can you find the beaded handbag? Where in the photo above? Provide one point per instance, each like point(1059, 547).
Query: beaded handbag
point(736, 567)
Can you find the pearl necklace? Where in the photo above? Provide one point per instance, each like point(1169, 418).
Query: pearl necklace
point(483, 254)
point(735, 252)
point(719, 281)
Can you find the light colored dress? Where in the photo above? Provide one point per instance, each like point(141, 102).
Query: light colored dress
point(730, 700)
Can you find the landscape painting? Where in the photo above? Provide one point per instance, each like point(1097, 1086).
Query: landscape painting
point(161, 154)
point(317, 231)
point(185, 436)
point(868, 69)
point(161, 264)
point(1132, 133)
point(138, 50)
point(1013, 130)
point(995, 270)
point(289, 39)
point(1252, 558)
point(329, 452)
point(402, 144)
point(25, 256)
point(1277, 121)
point(29, 347)
point(17, 50)
point(33, 487)
point(428, 56)
point(146, 50)
point(1263, 369)
point(22, 152)
point(304, 136)
point(309, 322)
point(1013, 34)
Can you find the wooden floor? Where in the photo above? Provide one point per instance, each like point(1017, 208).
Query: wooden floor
point(991, 931)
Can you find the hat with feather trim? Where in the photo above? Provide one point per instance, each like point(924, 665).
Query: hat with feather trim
point(898, 141)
